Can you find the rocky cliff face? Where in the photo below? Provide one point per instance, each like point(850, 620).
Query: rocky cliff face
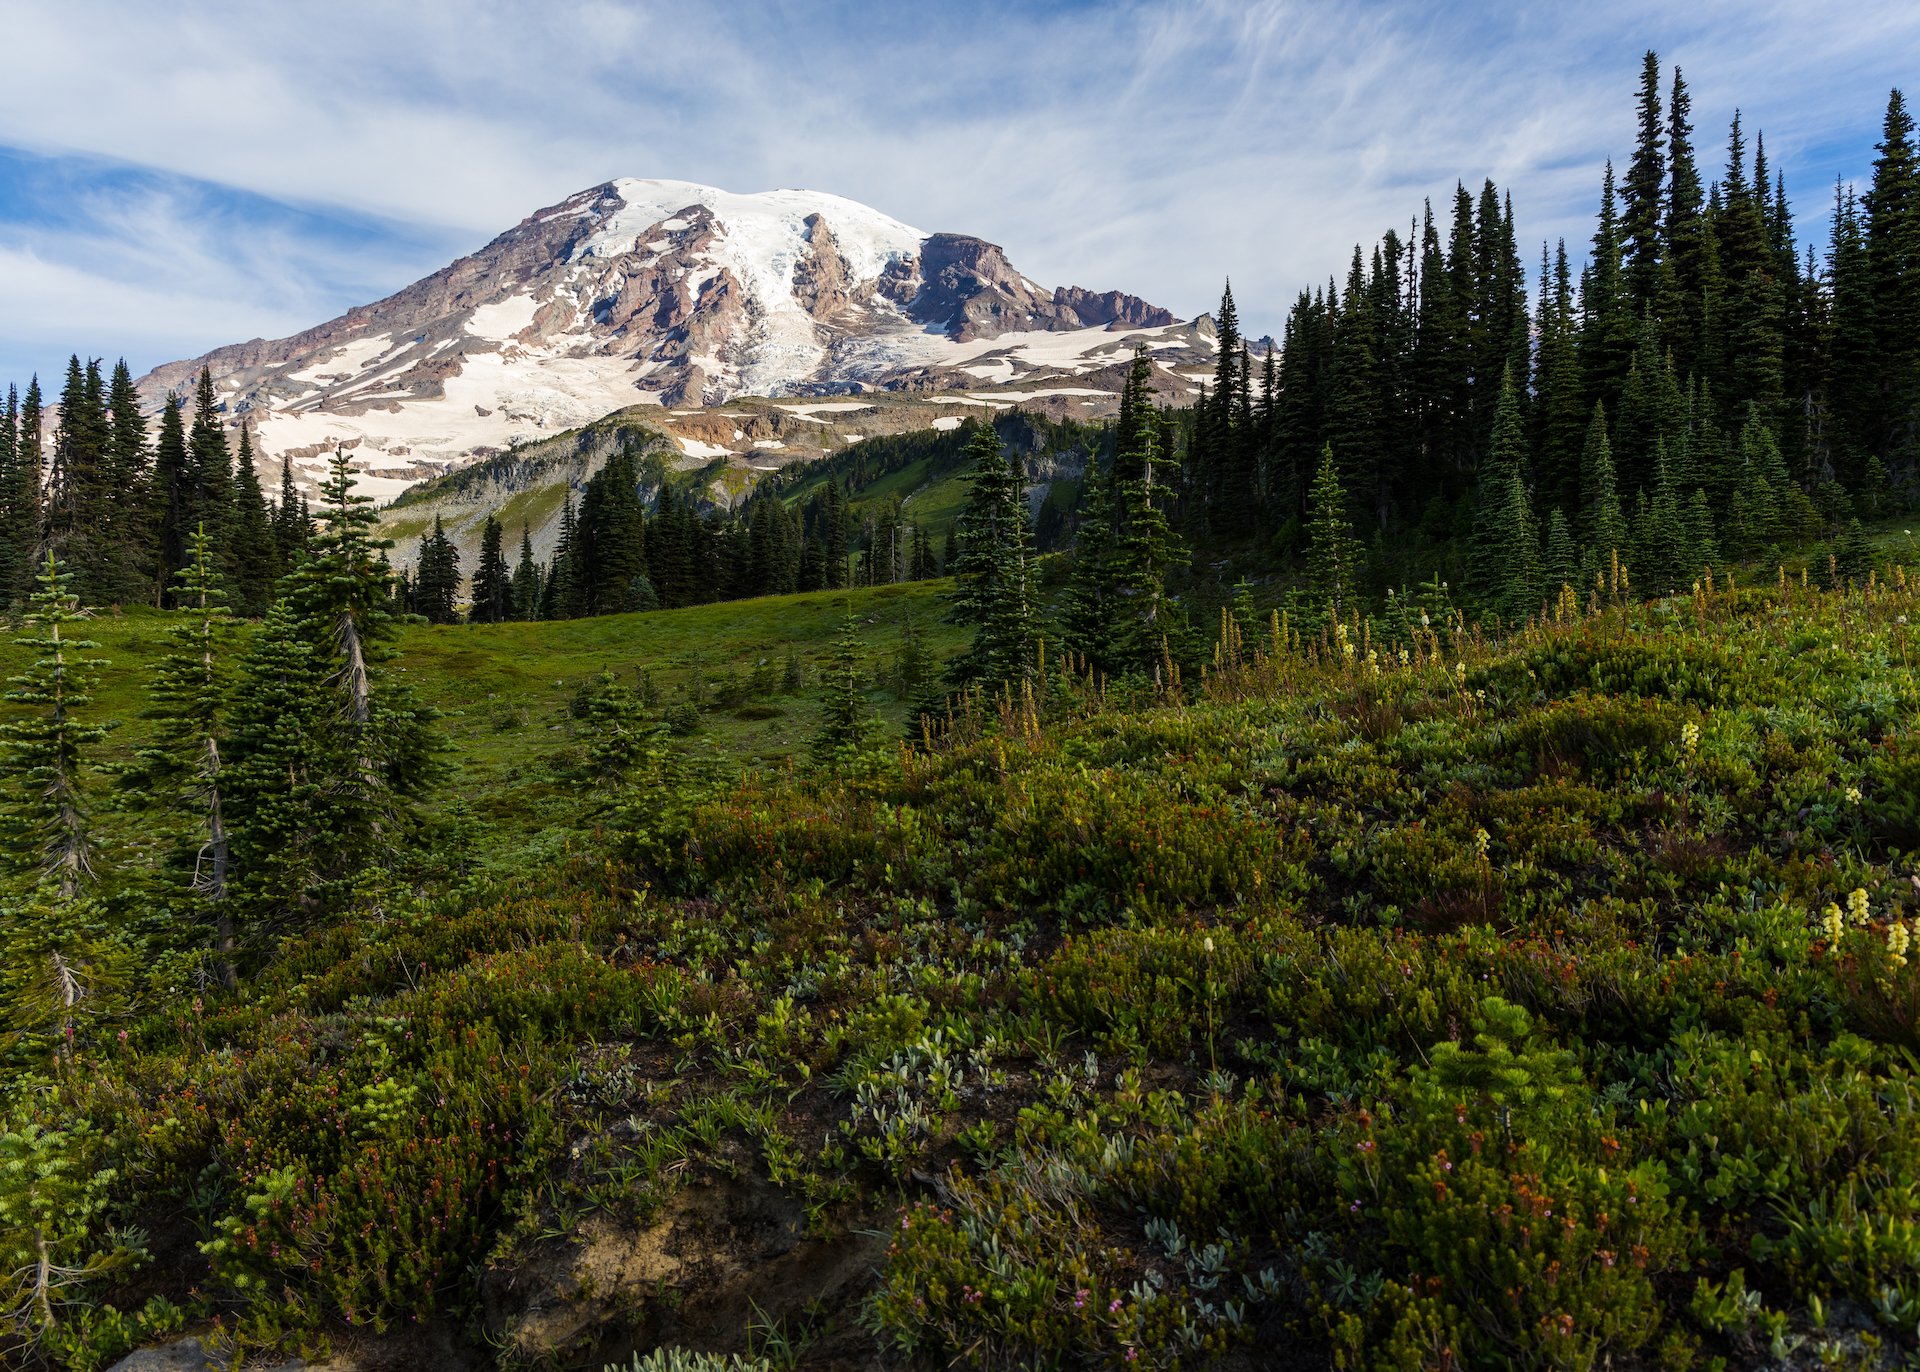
point(667, 293)
point(969, 290)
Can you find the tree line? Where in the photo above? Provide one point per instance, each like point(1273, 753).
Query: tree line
point(1703, 386)
point(622, 548)
point(1706, 391)
point(117, 503)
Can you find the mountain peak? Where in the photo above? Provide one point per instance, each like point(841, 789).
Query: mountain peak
point(653, 291)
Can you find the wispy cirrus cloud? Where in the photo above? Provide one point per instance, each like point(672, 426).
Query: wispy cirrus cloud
point(183, 176)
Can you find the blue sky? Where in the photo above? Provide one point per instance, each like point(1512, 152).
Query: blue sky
point(176, 177)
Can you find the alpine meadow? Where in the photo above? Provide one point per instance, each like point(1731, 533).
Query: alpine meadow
point(727, 785)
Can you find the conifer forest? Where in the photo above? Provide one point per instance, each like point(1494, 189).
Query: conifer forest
point(1407, 857)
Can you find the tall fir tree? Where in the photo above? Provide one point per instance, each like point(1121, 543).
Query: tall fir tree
point(25, 500)
point(1642, 196)
point(526, 580)
point(1892, 212)
point(253, 554)
point(182, 767)
point(170, 500)
point(128, 570)
point(492, 582)
point(290, 528)
point(330, 753)
point(1334, 555)
point(436, 581)
point(1603, 525)
point(209, 479)
point(61, 958)
point(992, 569)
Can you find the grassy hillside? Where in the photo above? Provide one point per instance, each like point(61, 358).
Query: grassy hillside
point(505, 692)
point(1545, 1002)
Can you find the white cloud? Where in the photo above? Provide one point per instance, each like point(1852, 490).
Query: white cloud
point(1151, 147)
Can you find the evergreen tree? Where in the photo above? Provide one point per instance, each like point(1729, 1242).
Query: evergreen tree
point(1604, 525)
point(1560, 411)
point(492, 583)
point(1688, 247)
point(1559, 562)
point(77, 525)
point(182, 766)
point(60, 958)
point(46, 749)
point(1145, 549)
point(993, 577)
point(328, 754)
point(565, 595)
point(844, 717)
point(436, 583)
point(1333, 554)
point(24, 498)
point(1892, 246)
point(1517, 593)
point(209, 483)
point(128, 570)
point(526, 580)
point(170, 499)
point(253, 553)
point(1086, 616)
point(289, 522)
point(1641, 195)
point(1608, 323)
point(618, 739)
point(19, 518)
point(612, 534)
point(1503, 547)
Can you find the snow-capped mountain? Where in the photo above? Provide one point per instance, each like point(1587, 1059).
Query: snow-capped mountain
point(672, 294)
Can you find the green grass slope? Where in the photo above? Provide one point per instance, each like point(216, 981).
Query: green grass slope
point(1548, 1002)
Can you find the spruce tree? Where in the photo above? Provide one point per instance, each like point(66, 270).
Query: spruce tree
point(1496, 556)
point(60, 957)
point(1603, 525)
point(1608, 322)
point(1642, 194)
point(1333, 554)
point(209, 484)
point(1560, 411)
point(330, 754)
point(436, 584)
point(993, 577)
point(1892, 246)
point(492, 583)
point(1687, 244)
point(526, 580)
point(24, 499)
point(612, 534)
point(566, 593)
point(289, 522)
point(1146, 549)
point(46, 749)
point(183, 765)
point(1086, 615)
point(78, 524)
point(1559, 561)
point(129, 567)
point(170, 500)
point(618, 739)
point(18, 535)
point(1518, 591)
point(844, 717)
point(253, 553)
